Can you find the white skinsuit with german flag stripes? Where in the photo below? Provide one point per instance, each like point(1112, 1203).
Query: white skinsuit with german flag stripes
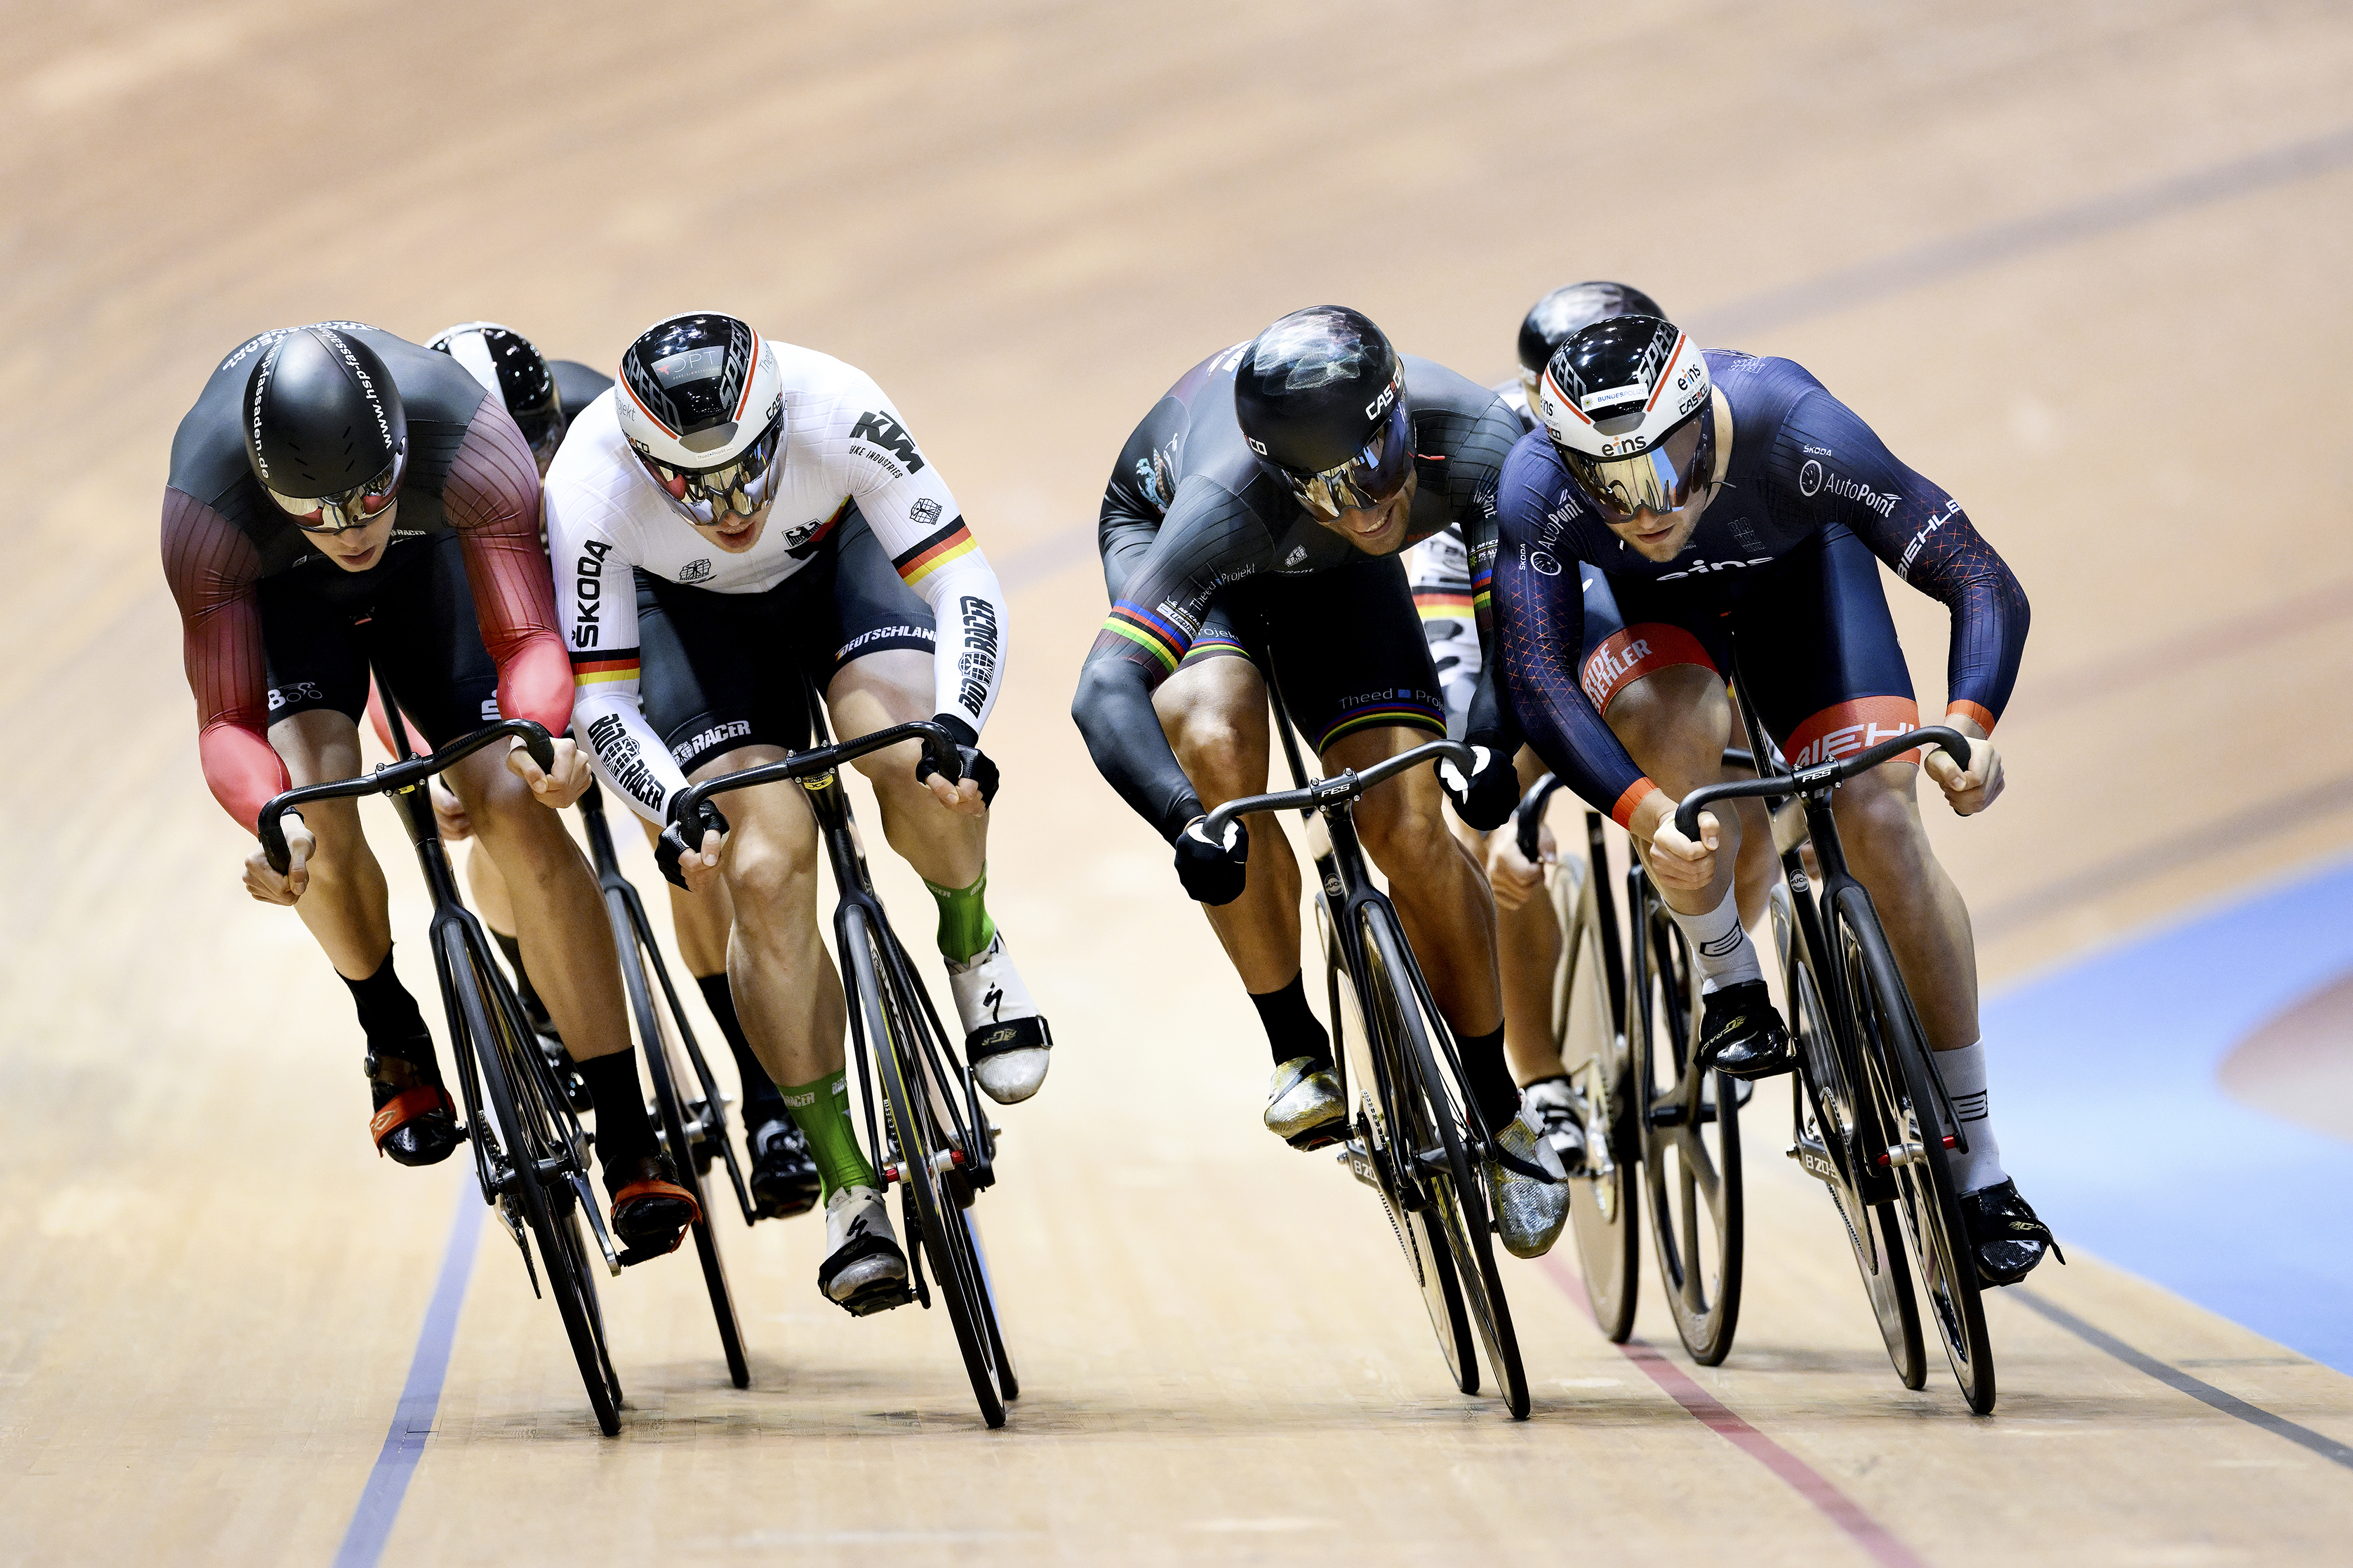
point(844, 442)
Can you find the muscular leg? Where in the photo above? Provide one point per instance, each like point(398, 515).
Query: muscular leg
point(1527, 949)
point(1926, 923)
point(491, 901)
point(1753, 869)
point(1441, 896)
point(567, 943)
point(344, 906)
point(894, 687)
point(1214, 716)
point(1675, 723)
point(701, 921)
point(785, 987)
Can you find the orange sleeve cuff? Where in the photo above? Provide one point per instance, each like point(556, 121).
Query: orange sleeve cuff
point(1623, 811)
point(1972, 712)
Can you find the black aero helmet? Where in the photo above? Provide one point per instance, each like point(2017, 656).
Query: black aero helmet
point(1320, 398)
point(1626, 403)
point(324, 430)
point(1566, 310)
point(506, 363)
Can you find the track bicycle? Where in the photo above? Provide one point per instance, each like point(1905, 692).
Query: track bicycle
point(689, 1130)
point(934, 1143)
point(1873, 1122)
point(531, 1156)
point(1415, 1135)
point(1626, 1020)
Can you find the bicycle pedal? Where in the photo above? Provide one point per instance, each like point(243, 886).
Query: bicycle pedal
point(879, 1297)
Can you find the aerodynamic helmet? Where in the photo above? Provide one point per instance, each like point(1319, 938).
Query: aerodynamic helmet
point(701, 402)
point(1320, 398)
point(506, 362)
point(1626, 403)
point(324, 430)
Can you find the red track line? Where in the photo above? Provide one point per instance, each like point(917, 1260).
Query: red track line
point(1704, 1408)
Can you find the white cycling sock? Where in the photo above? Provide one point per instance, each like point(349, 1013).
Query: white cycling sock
point(1722, 950)
point(1964, 1072)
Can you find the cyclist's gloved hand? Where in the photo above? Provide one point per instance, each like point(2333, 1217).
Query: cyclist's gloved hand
point(1486, 799)
point(971, 761)
point(670, 849)
point(1213, 873)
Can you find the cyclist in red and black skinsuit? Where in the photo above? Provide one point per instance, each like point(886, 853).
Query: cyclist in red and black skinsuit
point(438, 579)
point(1772, 529)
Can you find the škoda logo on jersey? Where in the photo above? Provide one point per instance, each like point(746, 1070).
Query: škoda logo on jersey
point(885, 435)
point(588, 591)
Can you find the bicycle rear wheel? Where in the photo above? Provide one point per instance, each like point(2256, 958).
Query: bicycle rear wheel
point(531, 1164)
point(1430, 1110)
point(1915, 1139)
point(924, 1157)
point(1376, 1166)
point(1828, 1144)
point(1691, 1136)
point(1593, 1051)
point(656, 1039)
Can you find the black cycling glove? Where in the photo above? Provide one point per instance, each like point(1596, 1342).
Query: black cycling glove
point(1486, 798)
point(672, 848)
point(972, 761)
point(1213, 873)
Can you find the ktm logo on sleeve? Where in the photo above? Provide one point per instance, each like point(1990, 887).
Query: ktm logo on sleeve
point(888, 435)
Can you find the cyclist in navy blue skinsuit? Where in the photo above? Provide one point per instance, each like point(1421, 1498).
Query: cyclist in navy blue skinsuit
point(1722, 493)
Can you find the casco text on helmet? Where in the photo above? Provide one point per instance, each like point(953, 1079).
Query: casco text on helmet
point(1626, 404)
point(508, 363)
point(324, 429)
point(1568, 310)
point(1320, 396)
point(701, 403)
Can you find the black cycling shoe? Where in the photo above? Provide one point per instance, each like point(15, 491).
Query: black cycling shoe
point(784, 1176)
point(2004, 1233)
point(414, 1124)
point(650, 1210)
point(1741, 1033)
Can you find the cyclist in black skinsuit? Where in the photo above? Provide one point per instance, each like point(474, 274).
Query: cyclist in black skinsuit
point(1724, 493)
point(544, 396)
point(1256, 515)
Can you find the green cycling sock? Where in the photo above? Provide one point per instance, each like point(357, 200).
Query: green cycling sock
point(821, 1111)
point(966, 928)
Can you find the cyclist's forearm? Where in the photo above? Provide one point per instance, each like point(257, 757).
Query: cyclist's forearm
point(629, 757)
point(1114, 712)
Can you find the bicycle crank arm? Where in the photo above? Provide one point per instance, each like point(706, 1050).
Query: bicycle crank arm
point(1362, 1165)
point(596, 1223)
point(1814, 1159)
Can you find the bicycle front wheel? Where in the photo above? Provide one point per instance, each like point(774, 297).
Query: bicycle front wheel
point(1430, 1113)
point(1915, 1142)
point(1373, 1160)
point(1690, 1137)
point(508, 1058)
point(1593, 1051)
point(1828, 1144)
point(924, 1156)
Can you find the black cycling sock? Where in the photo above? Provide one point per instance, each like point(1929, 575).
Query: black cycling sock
point(389, 1017)
point(763, 1101)
point(623, 1133)
point(1488, 1080)
point(514, 951)
point(1292, 1028)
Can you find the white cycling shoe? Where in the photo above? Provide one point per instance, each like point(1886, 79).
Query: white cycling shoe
point(863, 1271)
point(1005, 1035)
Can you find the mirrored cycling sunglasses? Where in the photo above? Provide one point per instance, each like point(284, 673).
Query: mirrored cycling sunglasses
point(1371, 477)
point(353, 508)
point(736, 487)
point(1663, 479)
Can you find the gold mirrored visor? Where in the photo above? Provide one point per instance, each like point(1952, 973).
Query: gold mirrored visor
point(1376, 472)
point(737, 488)
point(1660, 480)
point(353, 508)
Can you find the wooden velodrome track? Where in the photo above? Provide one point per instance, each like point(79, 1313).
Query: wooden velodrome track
point(2082, 263)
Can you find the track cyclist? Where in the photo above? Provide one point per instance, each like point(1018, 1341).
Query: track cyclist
point(1717, 490)
point(734, 512)
point(544, 396)
point(339, 497)
point(1256, 513)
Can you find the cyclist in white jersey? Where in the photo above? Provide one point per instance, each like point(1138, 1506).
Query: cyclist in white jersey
point(706, 534)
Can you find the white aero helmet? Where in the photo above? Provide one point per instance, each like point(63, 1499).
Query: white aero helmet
point(506, 363)
point(701, 402)
point(1625, 401)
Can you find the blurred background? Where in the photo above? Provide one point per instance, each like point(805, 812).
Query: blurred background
point(2081, 264)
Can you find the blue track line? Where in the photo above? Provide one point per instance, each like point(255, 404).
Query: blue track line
point(412, 1419)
